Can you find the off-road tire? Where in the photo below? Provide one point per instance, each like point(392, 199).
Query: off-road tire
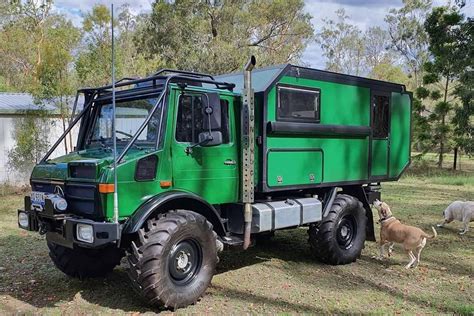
point(85, 263)
point(154, 256)
point(331, 241)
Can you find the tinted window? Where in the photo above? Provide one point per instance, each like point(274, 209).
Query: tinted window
point(189, 123)
point(380, 112)
point(297, 104)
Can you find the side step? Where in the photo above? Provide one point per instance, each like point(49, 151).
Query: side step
point(233, 241)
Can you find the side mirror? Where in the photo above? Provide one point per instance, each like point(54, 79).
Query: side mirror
point(207, 139)
point(212, 112)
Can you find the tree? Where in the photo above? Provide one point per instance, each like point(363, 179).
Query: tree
point(449, 47)
point(93, 65)
point(23, 34)
point(37, 53)
point(389, 72)
point(57, 84)
point(342, 45)
point(31, 141)
point(376, 41)
point(463, 119)
point(219, 36)
point(408, 35)
point(135, 65)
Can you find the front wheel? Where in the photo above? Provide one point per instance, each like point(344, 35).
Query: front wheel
point(83, 262)
point(172, 262)
point(340, 237)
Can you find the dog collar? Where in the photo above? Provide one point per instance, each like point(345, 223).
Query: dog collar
point(385, 219)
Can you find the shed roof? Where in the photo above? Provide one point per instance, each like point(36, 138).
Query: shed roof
point(11, 103)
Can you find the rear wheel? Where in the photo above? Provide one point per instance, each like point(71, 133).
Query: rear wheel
point(83, 262)
point(173, 260)
point(340, 237)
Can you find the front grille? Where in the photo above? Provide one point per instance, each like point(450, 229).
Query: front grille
point(83, 200)
point(47, 187)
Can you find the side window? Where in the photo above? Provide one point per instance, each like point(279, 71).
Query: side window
point(191, 113)
point(380, 113)
point(298, 104)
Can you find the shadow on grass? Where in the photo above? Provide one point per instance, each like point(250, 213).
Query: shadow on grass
point(259, 299)
point(29, 276)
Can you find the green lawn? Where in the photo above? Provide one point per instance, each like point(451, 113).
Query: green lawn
point(279, 276)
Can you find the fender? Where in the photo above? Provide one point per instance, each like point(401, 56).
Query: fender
point(174, 200)
point(358, 192)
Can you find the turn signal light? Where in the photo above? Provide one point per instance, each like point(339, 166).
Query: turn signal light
point(165, 183)
point(106, 188)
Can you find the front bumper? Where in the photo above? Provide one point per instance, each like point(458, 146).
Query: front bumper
point(61, 229)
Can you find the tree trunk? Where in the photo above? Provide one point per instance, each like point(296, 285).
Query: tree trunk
point(443, 124)
point(455, 158)
point(441, 143)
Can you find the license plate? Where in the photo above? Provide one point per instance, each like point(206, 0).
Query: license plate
point(37, 198)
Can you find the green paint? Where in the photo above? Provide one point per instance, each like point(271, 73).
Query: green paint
point(294, 167)
point(400, 133)
point(379, 157)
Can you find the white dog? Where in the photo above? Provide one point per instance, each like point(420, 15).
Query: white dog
point(460, 211)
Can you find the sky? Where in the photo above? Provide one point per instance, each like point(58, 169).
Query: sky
point(362, 13)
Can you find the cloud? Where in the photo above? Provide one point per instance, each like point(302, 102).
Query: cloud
point(75, 10)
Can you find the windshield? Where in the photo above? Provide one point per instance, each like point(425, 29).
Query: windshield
point(130, 116)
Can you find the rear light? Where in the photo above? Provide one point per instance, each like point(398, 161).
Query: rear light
point(106, 188)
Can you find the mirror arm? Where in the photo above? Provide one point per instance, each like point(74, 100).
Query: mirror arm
point(189, 149)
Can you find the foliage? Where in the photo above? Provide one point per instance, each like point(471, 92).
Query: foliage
point(31, 135)
point(219, 36)
point(463, 119)
point(389, 72)
point(450, 45)
point(342, 45)
point(94, 62)
point(408, 35)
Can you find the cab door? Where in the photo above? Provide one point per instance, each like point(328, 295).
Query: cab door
point(211, 171)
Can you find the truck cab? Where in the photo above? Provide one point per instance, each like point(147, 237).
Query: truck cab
point(206, 163)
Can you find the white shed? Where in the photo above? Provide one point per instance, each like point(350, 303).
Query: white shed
point(13, 107)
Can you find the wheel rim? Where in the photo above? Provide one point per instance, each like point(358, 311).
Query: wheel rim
point(184, 261)
point(346, 231)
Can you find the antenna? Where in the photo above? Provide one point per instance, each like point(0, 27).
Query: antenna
point(114, 131)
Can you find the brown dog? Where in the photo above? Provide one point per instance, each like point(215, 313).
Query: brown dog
point(392, 231)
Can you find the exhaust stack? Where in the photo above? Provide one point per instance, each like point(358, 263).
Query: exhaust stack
point(248, 148)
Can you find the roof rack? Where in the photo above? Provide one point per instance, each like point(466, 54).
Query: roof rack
point(185, 75)
point(183, 72)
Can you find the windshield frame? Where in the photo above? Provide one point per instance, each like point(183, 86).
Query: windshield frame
point(89, 142)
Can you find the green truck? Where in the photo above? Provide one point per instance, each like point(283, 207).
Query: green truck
point(208, 163)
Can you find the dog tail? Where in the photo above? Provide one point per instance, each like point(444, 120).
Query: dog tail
point(435, 234)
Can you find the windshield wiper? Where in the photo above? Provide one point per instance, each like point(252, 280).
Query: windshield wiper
point(102, 141)
point(124, 133)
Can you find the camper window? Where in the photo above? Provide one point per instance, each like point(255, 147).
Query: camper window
point(380, 113)
point(298, 104)
point(189, 123)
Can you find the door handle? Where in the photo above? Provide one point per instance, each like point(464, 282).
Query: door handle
point(229, 162)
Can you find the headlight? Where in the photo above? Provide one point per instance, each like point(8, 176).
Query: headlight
point(23, 220)
point(85, 233)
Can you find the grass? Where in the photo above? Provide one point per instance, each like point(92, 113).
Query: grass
point(279, 276)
